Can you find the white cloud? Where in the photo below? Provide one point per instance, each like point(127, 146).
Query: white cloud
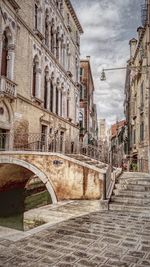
point(108, 27)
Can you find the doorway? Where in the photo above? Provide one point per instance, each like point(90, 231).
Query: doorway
point(4, 139)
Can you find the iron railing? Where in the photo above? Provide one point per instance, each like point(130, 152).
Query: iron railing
point(53, 143)
point(46, 143)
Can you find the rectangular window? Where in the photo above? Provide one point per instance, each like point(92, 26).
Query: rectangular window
point(81, 91)
point(81, 72)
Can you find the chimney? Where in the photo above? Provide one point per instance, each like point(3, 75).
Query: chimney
point(139, 30)
point(133, 44)
point(88, 57)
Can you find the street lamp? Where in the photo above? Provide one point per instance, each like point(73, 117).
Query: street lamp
point(103, 74)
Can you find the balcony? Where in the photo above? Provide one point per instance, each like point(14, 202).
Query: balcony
point(7, 88)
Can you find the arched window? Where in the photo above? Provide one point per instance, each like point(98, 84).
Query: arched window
point(52, 36)
point(62, 50)
point(47, 28)
point(51, 96)
point(4, 55)
point(38, 16)
point(35, 77)
point(57, 100)
point(57, 44)
point(61, 6)
point(45, 90)
point(68, 56)
point(34, 80)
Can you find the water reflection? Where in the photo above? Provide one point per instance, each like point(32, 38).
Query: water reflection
point(18, 200)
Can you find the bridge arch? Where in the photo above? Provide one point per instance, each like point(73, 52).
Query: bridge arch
point(34, 170)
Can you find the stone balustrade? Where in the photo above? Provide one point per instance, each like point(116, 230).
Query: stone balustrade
point(7, 87)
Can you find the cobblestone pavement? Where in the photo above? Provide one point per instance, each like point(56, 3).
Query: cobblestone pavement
point(103, 239)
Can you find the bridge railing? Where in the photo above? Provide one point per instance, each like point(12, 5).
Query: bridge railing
point(46, 143)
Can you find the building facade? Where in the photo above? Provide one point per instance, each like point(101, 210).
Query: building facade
point(103, 139)
point(39, 68)
point(118, 144)
point(137, 94)
point(88, 112)
point(102, 129)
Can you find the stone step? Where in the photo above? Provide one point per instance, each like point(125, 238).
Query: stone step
point(134, 181)
point(139, 188)
point(130, 200)
point(130, 193)
point(135, 175)
point(129, 208)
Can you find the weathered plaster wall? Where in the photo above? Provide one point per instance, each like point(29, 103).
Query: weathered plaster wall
point(69, 179)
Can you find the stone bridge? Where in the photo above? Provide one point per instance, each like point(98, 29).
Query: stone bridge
point(64, 177)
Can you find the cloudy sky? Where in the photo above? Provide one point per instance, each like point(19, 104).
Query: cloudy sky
point(108, 26)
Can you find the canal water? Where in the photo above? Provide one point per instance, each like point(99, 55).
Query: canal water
point(14, 204)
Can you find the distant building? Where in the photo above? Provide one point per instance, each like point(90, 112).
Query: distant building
point(137, 95)
point(118, 143)
point(88, 112)
point(102, 129)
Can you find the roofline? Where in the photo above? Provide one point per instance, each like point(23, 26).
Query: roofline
point(73, 13)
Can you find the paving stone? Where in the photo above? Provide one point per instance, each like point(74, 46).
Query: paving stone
point(86, 263)
point(130, 259)
point(82, 254)
point(74, 243)
point(99, 259)
point(118, 263)
point(145, 262)
point(69, 259)
point(17, 262)
point(63, 264)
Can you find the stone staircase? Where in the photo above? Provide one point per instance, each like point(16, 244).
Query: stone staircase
point(88, 160)
point(131, 193)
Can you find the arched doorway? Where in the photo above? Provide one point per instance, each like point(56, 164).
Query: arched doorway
point(17, 179)
point(6, 120)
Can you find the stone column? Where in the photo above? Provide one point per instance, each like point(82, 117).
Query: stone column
point(54, 98)
point(55, 48)
point(10, 61)
point(38, 83)
point(64, 105)
point(59, 101)
point(64, 56)
point(48, 94)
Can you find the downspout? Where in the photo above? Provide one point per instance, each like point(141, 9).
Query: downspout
point(148, 78)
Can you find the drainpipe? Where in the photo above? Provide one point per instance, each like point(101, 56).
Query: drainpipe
point(148, 73)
